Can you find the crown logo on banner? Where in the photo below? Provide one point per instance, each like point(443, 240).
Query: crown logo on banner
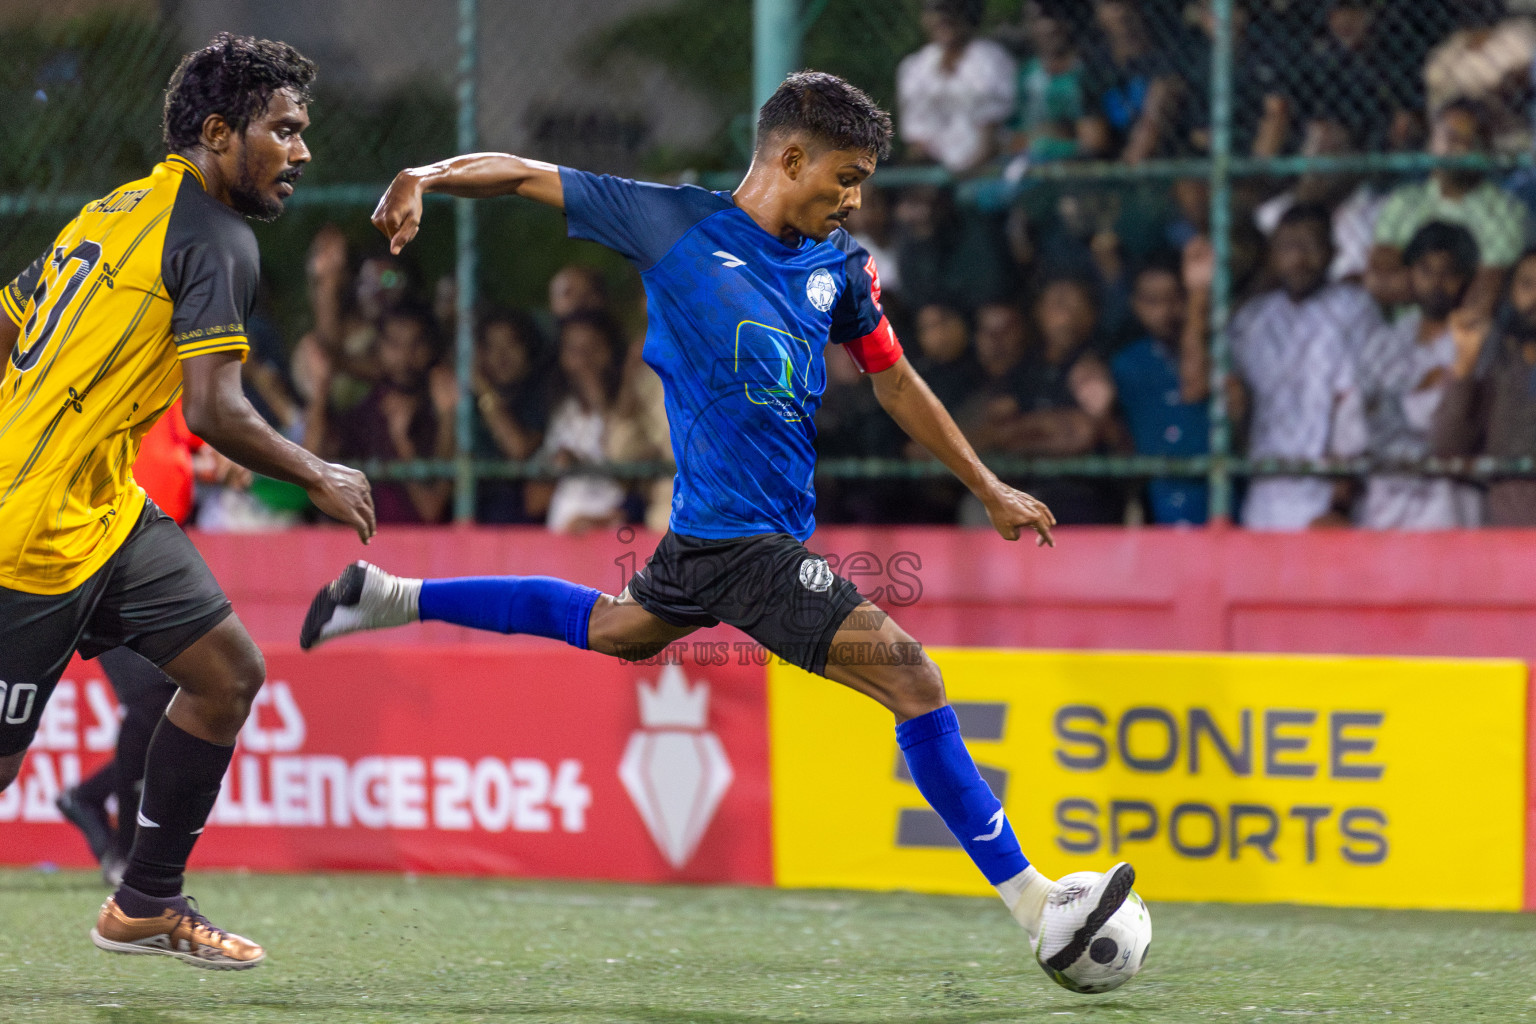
point(672, 703)
point(675, 770)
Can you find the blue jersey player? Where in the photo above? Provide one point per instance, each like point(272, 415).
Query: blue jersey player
point(744, 290)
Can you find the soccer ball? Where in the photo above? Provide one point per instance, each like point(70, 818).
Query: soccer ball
point(1116, 952)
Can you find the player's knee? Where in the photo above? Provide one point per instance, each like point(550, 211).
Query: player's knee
point(237, 690)
point(612, 630)
point(919, 689)
point(249, 677)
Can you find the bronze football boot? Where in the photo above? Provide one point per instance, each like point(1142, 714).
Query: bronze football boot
point(184, 934)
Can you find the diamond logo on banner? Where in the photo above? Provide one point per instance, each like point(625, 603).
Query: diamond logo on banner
point(674, 768)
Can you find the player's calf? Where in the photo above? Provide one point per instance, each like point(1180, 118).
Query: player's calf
point(365, 597)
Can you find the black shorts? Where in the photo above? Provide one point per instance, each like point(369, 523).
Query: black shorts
point(769, 586)
point(154, 596)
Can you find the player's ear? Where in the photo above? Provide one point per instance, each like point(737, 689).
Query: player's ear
point(793, 160)
point(216, 136)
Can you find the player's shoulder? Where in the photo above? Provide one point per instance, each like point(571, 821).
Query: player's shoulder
point(684, 195)
point(857, 262)
point(843, 240)
point(139, 205)
point(642, 220)
point(696, 202)
point(198, 220)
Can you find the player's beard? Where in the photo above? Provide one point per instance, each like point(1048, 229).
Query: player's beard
point(247, 198)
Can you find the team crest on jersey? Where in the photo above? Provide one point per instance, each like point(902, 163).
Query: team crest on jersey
point(821, 289)
point(816, 575)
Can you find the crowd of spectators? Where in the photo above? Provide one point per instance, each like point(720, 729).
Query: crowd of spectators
point(1392, 317)
point(1374, 315)
point(374, 380)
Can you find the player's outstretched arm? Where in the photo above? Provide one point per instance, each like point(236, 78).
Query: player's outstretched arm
point(472, 176)
point(217, 411)
point(906, 396)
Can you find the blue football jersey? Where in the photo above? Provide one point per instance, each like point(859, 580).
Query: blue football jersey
point(738, 322)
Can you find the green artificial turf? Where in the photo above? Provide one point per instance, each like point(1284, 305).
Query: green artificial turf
point(345, 948)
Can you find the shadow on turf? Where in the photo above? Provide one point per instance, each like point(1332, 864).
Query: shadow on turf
point(666, 1015)
point(135, 1015)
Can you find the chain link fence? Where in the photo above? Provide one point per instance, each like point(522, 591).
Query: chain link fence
point(1147, 251)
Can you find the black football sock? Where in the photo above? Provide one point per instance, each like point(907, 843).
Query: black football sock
point(94, 790)
point(182, 775)
point(136, 904)
point(133, 738)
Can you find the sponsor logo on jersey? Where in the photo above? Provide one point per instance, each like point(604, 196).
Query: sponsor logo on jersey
point(821, 289)
point(816, 575)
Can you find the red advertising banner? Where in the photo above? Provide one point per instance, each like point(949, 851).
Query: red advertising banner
point(475, 759)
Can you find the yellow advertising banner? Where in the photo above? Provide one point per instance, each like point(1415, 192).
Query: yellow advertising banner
point(1376, 782)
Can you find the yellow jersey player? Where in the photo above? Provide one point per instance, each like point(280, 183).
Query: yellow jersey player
point(142, 298)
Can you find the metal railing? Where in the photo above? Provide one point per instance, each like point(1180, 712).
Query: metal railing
point(777, 28)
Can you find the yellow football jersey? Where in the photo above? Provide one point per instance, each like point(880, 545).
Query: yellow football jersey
point(155, 272)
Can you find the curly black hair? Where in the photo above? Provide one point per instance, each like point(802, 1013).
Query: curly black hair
point(234, 76)
point(1453, 239)
point(827, 108)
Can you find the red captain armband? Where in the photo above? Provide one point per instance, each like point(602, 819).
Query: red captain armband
point(878, 350)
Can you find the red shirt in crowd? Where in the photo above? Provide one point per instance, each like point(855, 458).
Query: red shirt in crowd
point(164, 468)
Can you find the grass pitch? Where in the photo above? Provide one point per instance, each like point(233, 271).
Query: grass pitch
point(383, 948)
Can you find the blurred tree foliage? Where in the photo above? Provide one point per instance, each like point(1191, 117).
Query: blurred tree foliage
point(83, 99)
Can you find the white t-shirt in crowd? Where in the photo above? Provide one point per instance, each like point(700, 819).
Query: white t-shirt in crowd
point(581, 433)
point(1298, 362)
point(1400, 410)
point(954, 114)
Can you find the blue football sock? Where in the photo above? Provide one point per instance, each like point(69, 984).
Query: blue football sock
point(948, 779)
point(536, 605)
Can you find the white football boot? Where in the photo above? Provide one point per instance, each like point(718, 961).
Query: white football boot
point(1063, 917)
point(362, 597)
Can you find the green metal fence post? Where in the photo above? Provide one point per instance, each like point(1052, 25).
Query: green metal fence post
point(1220, 475)
point(775, 46)
point(467, 245)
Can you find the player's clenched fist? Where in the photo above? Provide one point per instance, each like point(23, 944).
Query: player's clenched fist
point(398, 214)
point(343, 494)
point(1013, 511)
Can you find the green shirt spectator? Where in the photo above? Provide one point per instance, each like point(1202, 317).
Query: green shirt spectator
point(1050, 93)
point(1495, 218)
point(1050, 104)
